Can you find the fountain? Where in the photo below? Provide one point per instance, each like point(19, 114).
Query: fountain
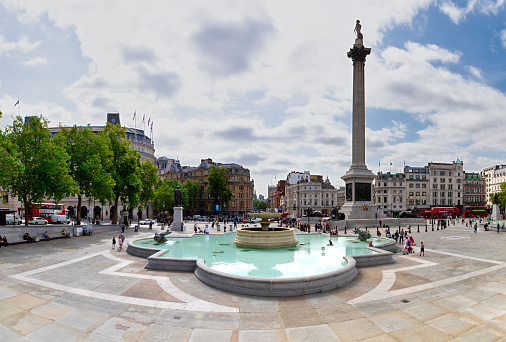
point(265, 237)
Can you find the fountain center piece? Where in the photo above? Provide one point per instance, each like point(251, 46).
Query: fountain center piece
point(264, 237)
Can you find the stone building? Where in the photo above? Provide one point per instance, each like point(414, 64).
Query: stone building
point(311, 191)
point(277, 196)
point(446, 183)
point(417, 183)
point(437, 184)
point(238, 180)
point(390, 192)
point(493, 176)
point(474, 190)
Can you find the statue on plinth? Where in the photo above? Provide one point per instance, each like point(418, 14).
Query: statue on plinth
point(178, 197)
point(358, 29)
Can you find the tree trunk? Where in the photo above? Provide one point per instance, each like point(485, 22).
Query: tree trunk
point(78, 216)
point(26, 213)
point(115, 214)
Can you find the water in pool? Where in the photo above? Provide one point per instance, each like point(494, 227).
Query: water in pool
point(308, 258)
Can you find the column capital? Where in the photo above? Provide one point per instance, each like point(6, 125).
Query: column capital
point(358, 53)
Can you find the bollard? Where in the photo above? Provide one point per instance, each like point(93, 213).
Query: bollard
point(366, 229)
point(418, 231)
point(426, 227)
point(344, 229)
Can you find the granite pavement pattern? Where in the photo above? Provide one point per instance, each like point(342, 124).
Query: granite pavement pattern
point(79, 289)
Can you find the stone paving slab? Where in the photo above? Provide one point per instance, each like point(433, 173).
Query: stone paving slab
point(94, 294)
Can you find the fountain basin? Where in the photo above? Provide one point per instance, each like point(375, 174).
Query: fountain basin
point(255, 237)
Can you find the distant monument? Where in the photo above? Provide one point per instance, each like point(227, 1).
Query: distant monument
point(359, 202)
point(178, 209)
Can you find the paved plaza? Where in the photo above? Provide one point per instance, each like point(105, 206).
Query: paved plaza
point(79, 289)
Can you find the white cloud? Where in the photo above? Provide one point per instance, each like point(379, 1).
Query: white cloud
point(503, 38)
point(22, 45)
point(456, 14)
point(268, 83)
point(35, 61)
point(476, 72)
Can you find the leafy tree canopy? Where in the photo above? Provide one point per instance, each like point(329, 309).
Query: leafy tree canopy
point(217, 185)
point(42, 167)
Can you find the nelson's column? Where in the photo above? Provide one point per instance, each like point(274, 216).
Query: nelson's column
point(359, 202)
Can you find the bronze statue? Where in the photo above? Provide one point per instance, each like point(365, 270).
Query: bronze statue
point(178, 197)
point(358, 29)
point(496, 199)
point(160, 237)
point(362, 234)
point(413, 213)
point(336, 215)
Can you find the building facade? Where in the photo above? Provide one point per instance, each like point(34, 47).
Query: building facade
point(390, 192)
point(447, 183)
point(434, 185)
point(311, 191)
point(474, 190)
point(238, 180)
point(493, 176)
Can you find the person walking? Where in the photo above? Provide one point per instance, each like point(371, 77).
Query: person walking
point(475, 227)
point(498, 227)
point(113, 243)
point(422, 249)
point(120, 244)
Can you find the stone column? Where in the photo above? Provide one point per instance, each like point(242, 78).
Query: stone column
point(359, 200)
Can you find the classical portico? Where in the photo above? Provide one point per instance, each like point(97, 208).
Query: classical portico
point(359, 201)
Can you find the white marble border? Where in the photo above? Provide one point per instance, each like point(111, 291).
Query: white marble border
point(381, 291)
point(190, 303)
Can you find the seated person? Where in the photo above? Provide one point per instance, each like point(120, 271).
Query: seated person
point(370, 244)
point(5, 243)
point(330, 243)
point(206, 230)
point(27, 237)
point(46, 236)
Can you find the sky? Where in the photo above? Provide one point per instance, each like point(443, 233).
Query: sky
point(267, 83)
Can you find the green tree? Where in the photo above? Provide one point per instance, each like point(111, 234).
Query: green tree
point(217, 185)
point(89, 163)
point(260, 205)
point(43, 169)
point(164, 196)
point(192, 189)
point(10, 165)
point(149, 181)
point(124, 168)
point(501, 196)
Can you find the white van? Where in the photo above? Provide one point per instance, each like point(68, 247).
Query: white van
point(11, 218)
point(60, 219)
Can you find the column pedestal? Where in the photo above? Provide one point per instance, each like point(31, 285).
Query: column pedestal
point(495, 212)
point(178, 218)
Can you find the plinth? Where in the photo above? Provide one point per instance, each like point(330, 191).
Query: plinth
point(359, 201)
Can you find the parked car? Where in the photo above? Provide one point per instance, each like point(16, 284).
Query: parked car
point(37, 220)
point(11, 219)
point(147, 221)
point(60, 219)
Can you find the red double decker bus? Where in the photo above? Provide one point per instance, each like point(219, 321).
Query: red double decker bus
point(45, 210)
point(477, 211)
point(442, 212)
point(425, 212)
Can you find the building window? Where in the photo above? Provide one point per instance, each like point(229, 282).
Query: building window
point(411, 185)
point(418, 193)
point(418, 185)
point(424, 177)
point(424, 186)
point(442, 186)
point(442, 194)
point(410, 176)
point(424, 193)
point(443, 180)
point(417, 176)
point(411, 193)
point(384, 199)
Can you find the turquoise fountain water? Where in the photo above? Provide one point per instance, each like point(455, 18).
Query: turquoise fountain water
point(308, 258)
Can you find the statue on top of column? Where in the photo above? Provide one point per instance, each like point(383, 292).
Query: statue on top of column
point(357, 31)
